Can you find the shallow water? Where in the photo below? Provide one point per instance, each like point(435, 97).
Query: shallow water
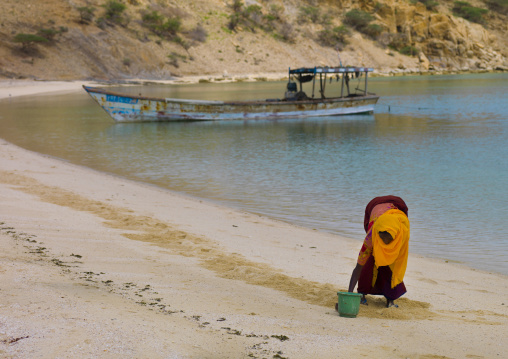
point(439, 142)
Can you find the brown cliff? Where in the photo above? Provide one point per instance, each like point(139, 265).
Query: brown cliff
point(129, 50)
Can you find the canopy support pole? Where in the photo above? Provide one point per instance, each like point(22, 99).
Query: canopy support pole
point(313, 84)
point(366, 77)
point(321, 84)
point(324, 87)
point(342, 86)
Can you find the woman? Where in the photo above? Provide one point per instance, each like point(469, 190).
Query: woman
point(382, 260)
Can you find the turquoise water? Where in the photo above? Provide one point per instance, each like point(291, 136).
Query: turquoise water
point(439, 142)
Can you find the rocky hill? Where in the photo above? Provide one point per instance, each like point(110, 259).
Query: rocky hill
point(160, 39)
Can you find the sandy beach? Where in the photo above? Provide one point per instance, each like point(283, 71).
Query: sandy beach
point(96, 266)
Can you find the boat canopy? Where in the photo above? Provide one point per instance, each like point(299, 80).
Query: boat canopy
point(307, 74)
point(328, 70)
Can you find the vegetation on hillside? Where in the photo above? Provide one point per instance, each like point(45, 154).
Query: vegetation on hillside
point(86, 14)
point(253, 18)
point(362, 22)
point(334, 37)
point(44, 35)
point(430, 5)
point(165, 27)
point(499, 6)
point(164, 23)
point(28, 41)
point(271, 19)
point(114, 12)
point(469, 12)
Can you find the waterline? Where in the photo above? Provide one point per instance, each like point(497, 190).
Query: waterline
point(442, 147)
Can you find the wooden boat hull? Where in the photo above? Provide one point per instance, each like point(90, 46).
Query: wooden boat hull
point(125, 108)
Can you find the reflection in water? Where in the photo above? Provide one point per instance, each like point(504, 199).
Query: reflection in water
point(442, 147)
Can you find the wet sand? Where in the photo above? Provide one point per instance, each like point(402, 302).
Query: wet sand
point(94, 265)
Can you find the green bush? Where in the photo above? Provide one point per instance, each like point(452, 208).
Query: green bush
point(429, 4)
point(358, 19)
point(86, 14)
point(468, 12)
point(252, 10)
point(361, 21)
point(373, 30)
point(237, 6)
point(171, 26)
point(500, 6)
point(333, 37)
point(152, 20)
point(27, 41)
point(48, 33)
point(314, 15)
point(160, 25)
point(252, 17)
point(409, 51)
point(51, 33)
point(114, 11)
point(309, 14)
point(235, 18)
point(101, 23)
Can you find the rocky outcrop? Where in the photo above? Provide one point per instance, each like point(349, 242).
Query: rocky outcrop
point(445, 42)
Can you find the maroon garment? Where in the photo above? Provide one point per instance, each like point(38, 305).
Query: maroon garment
point(397, 201)
point(383, 285)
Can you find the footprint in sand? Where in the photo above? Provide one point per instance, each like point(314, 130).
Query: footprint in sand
point(427, 280)
point(456, 281)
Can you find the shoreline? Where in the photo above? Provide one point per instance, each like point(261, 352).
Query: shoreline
point(97, 265)
point(23, 87)
point(16, 88)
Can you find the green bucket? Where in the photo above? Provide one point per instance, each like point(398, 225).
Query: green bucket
point(349, 304)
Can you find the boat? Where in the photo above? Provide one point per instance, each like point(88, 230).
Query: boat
point(295, 103)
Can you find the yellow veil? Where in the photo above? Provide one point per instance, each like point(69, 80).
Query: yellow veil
point(394, 254)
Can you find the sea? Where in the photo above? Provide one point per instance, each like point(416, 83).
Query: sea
point(439, 142)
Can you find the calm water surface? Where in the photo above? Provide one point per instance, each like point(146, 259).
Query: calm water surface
point(441, 143)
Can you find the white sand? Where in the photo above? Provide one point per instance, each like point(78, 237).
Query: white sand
point(97, 266)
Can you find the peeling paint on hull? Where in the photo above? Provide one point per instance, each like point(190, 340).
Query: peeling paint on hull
point(123, 108)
